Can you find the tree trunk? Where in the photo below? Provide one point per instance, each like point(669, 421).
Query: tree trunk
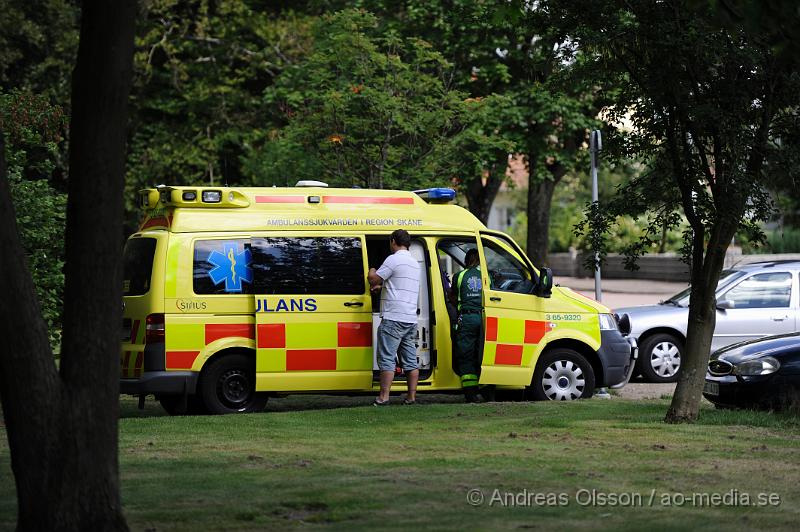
point(29, 384)
point(62, 429)
point(481, 195)
point(540, 196)
point(685, 405)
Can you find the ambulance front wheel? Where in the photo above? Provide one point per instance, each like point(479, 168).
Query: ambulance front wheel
point(227, 386)
point(562, 375)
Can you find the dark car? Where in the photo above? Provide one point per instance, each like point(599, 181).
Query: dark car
point(763, 373)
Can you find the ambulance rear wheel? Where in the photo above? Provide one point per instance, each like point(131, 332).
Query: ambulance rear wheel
point(562, 375)
point(227, 386)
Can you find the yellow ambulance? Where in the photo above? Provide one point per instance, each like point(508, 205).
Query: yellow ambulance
point(233, 295)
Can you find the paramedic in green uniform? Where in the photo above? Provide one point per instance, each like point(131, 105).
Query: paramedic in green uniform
point(465, 293)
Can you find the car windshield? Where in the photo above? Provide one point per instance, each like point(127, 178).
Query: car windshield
point(681, 299)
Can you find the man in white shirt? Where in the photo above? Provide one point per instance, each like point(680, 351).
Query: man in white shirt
point(398, 277)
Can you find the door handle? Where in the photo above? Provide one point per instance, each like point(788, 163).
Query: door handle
point(779, 318)
point(354, 304)
point(495, 299)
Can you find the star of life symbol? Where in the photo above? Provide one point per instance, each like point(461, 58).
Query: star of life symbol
point(474, 283)
point(231, 266)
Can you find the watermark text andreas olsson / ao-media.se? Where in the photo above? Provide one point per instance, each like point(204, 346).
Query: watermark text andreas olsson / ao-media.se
point(597, 498)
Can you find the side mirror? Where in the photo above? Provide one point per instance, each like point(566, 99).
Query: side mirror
point(544, 288)
point(624, 324)
point(725, 304)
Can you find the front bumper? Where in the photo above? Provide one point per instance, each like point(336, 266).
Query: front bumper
point(763, 391)
point(632, 366)
point(161, 383)
point(617, 354)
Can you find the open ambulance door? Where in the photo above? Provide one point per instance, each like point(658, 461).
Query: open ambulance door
point(313, 313)
point(514, 324)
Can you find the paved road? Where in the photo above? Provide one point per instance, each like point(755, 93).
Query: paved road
point(619, 293)
point(645, 390)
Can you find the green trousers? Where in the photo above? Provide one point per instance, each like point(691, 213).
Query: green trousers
point(467, 347)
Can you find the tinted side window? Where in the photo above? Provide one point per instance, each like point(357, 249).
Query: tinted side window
point(765, 290)
point(223, 267)
point(137, 266)
point(299, 265)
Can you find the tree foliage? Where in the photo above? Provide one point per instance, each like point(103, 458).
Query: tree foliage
point(38, 42)
point(514, 49)
point(34, 132)
point(201, 68)
point(709, 106)
point(370, 110)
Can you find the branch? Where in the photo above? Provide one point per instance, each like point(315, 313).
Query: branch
point(161, 43)
point(683, 185)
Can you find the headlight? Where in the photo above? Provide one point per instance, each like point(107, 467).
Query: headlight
point(607, 322)
point(760, 366)
point(212, 196)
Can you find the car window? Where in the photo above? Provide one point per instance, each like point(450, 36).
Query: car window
point(222, 267)
point(506, 272)
point(137, 266)
point(725, 278)
point(452, 254)
point(300, 265)
point(763, 290)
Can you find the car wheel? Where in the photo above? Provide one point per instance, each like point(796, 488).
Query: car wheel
point(227, 386)
point(174, 406)
point(660, 357)
point(562, 375)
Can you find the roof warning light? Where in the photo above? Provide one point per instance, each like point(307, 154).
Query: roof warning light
point(437, 195)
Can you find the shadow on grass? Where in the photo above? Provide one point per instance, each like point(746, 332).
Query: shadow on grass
point(615, 412)
point(295, 403)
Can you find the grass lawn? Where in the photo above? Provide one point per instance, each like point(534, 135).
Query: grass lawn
point(336, 462)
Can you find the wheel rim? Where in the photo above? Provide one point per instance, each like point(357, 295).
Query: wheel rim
point(563, 380)
point(233, 388)
point(665, 359)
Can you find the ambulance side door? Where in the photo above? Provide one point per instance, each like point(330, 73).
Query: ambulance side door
point(514, 324)
point(313, 313)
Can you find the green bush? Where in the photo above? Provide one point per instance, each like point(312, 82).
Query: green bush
point(786, 240)
point(34, 133)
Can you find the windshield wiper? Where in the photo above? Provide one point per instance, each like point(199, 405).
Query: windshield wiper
point(669, 302)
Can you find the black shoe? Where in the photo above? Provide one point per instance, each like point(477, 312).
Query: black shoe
point(471, 396)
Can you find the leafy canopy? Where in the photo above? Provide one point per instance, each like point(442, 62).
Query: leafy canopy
point(708, 107)
point(197, 110)
point(372, 109)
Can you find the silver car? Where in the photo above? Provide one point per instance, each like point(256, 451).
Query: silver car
point(753, 300)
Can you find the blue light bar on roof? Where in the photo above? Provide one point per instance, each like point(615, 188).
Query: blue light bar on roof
point(437, 195)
